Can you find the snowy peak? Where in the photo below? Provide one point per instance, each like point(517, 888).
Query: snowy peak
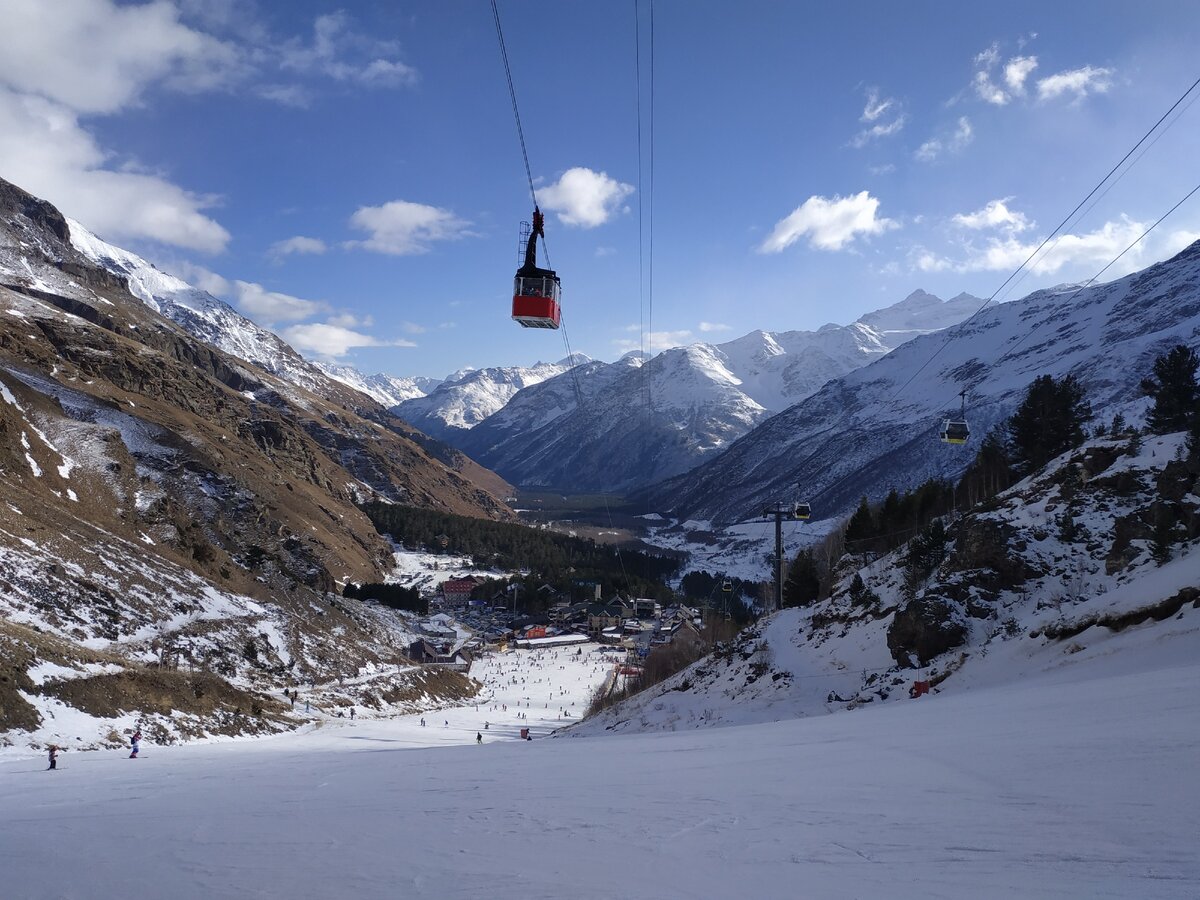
point(386, 390)
point(200, 313)
point(875, 428)
point(642, 421)
point(922, 312)
point(469, 396)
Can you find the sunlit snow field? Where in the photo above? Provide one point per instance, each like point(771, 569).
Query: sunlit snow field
point(1069, 785)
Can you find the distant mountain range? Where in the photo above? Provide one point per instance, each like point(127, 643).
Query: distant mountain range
point(876, 428)
point(642, 422)
point(468, 397)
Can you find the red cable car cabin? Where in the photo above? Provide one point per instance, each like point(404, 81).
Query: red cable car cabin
point(536, 291)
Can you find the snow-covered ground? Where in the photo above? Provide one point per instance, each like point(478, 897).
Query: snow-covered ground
point(1075, 784)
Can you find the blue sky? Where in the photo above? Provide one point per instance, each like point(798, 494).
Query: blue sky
point(350, 175)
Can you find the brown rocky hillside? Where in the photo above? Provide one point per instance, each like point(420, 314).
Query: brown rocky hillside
point(154, 487)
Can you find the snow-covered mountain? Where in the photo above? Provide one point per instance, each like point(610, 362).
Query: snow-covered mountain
point(643, 423)
point(469, 396)
point(201, 314)
point(387, 390)
point(875, 428)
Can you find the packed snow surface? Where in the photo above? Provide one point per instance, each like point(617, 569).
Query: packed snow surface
point(1071, 784)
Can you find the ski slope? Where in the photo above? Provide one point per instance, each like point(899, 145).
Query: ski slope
point(1071, 784)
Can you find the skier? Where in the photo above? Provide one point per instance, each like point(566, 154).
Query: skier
point(352, 714)
point(135, 744)
point(478, 738)
point(53, 756)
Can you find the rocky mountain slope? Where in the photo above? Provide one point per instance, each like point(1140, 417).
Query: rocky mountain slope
point(468, 397)
point(639, 425)
point(160, 491)
point(876, 428)
point(1057, 572)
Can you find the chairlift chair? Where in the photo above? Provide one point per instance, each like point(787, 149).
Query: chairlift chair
point(801, 511)
point(956, 431)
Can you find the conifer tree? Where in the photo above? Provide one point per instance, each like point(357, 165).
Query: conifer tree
point(1175, 391)
point(803, 584)
point(1048, 422)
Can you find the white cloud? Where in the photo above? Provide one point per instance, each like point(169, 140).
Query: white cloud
point(347, 56)
point(1179, 240)
point(402, 228)
point(883, 129)
point(584, 197)
point(1005, 254)
point(298, 245)
point(829, 224)
point(270, 307)
point(985, 88)
point(45, 150)
point(95, 56)
point(1016, 70)
point(873, 111)
point(332, 341)
point(875, 107)
point(995, 214)
point(657, 340)
point(1080, 82)
point(962, 135)
point(714, 326)
point(885, 169)
point(605, 251)
point(200, 277)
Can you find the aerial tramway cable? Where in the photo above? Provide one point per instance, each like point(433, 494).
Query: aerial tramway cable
point(561, 322)
point(952, 333)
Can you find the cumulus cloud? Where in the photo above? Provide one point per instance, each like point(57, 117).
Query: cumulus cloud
point(583, 197)
point(1078, 82)
point(884, 169)
point(1016, 70)
point(95, 56)
point(829, 224)
point(298, 245)
point(995, 214)
point(61, 60)
point(329, 341)
point(66, 60)
point(45, 150)
point(271, 307)
point(200, 277)
point(954, 142)
point(714, 326)
point(402, 228)
point(1008, 252)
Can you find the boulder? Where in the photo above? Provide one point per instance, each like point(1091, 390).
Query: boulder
point(925, 628)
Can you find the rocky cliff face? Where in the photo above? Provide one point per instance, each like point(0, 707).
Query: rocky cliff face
point(157, 488)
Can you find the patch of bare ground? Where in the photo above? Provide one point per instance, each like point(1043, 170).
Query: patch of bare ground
point(448, 686)
point(164, 692)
